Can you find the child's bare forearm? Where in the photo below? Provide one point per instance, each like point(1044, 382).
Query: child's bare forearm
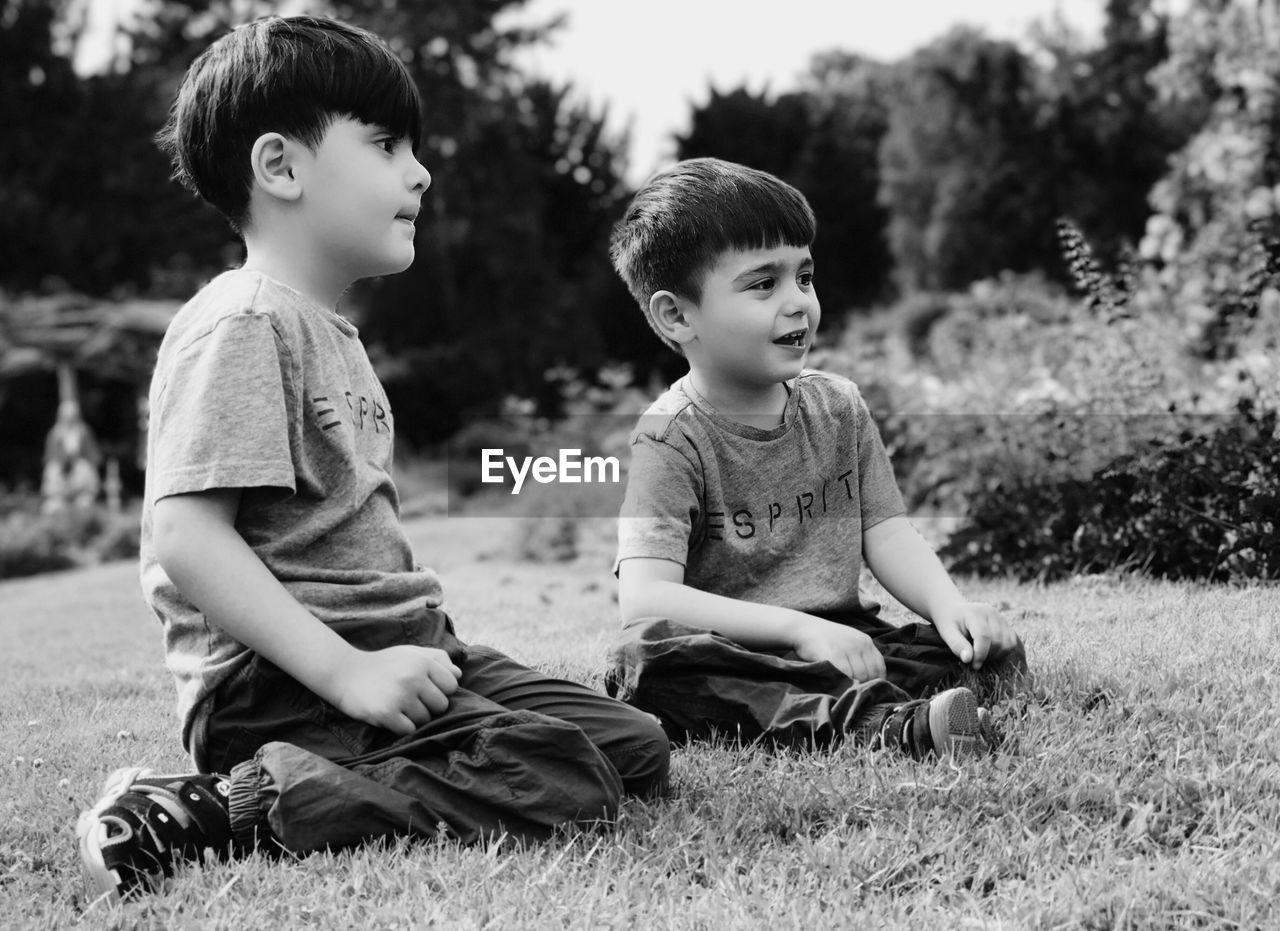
point(211, 564)
point(745, 622)
point(906, 565)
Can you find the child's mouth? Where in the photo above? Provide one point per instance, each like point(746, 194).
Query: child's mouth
point(794, 338)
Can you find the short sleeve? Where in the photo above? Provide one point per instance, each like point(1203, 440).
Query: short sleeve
point(661, 510)
point(881, 498)
point(221, 418)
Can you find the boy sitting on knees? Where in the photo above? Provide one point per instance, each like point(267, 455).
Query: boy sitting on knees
point(323, 694)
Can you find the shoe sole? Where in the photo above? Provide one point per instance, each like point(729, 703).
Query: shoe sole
point(955, 724)
point(100, 881)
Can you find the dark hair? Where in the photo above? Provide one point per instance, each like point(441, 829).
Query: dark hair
point(292, 75)
point(682, 220)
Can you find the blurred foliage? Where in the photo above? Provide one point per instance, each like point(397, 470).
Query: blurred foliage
point(1012, 378)
point(962, 164)
point(825, 140)
point(988, 143)
point(33, 542)
point(1198, 505)
point(951, 165)
point(1219, 202)
point(1109, 136)
point(963, 194)
point(1079, 435)
point(82, 200)
point(513, 275)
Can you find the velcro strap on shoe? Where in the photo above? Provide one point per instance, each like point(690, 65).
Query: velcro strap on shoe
point(209, 812)
point(160, 821)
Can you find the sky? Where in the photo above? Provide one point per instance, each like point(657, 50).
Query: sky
point(651, 61)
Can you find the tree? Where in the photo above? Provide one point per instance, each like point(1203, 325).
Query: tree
point(824, 140)
point(83, 201)
point(753, 129)
point(1110, 135)
point(839, 170)
point(1219, 202)
point(513, 277)
point(38, 100)
point(962, 165)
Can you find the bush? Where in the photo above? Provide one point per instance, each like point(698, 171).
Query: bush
point(31, 543)
point(1017, 382)
point(1078, 434)
point(1203, 505)
point(917, 315)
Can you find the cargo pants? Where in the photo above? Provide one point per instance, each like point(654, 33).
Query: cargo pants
point(701, 684)
point(516, 752)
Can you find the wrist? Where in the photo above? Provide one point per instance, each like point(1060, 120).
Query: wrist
point(325, 666)
point(944, 607)
point(800, 627)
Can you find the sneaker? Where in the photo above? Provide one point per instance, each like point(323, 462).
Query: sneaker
point(948, 724)
point(145, 823)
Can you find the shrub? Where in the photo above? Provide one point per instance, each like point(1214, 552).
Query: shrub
point(1202, 505)
point(917, 315)
point(31, 543)
point(1017, 382)
point(31, 546)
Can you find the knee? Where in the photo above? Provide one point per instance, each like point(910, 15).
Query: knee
point(555, 773)
point(597, 797)
point(646, 760)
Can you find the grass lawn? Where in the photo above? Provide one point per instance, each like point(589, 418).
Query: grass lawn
point(1138, 784)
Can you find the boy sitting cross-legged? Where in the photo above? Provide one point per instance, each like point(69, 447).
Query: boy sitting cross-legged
point(323, 694)
point(758, 489)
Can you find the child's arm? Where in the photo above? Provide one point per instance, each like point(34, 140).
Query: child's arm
point(655, 588)
point(399, 688)
point(910, 571)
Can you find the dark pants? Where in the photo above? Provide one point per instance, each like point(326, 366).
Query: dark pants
point(701, 684)
point(516, 752)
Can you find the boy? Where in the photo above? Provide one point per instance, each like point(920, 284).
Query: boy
point(756, 491)
point(324, 696)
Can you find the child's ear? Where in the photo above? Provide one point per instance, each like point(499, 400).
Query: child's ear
point(272, 159)
point(670, 314)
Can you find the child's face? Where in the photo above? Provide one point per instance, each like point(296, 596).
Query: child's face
point(756, 320)
point(362, 189)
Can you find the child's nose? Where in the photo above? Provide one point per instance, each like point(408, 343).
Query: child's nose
point(419, 176)
point(798, 301)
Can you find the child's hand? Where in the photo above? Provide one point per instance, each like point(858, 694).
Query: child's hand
point(400, 688)
point(974, 631)
point(851, 651)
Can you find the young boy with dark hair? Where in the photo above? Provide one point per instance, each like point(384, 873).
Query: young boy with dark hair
point(756, 492)
point(324, 696)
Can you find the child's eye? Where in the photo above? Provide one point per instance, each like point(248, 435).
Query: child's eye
point(764, 284)
point(388, 144)
point(806, 279)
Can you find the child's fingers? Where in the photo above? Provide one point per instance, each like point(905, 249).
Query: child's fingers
point(433, 698)
point(957, 641)
point(444, 678)
point(403, 725)
point(981, 648)
point(866, 666)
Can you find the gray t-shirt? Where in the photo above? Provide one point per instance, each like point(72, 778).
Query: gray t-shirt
point(259, 388)
point(769, 516)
